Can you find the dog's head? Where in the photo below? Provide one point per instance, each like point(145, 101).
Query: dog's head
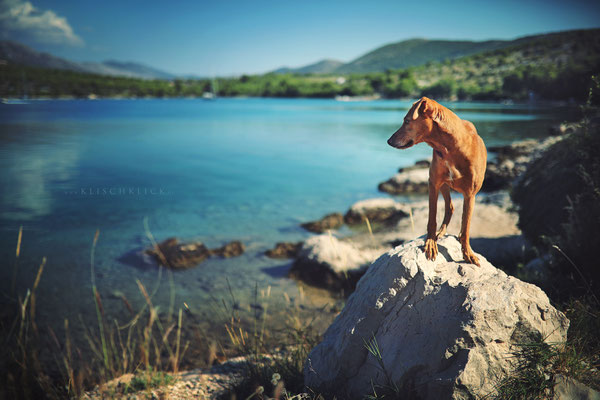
point(418, 124)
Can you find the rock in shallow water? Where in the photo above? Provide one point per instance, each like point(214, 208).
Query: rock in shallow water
point(445, 329)
point(231, 249)
point(330, 263)
point(411, 181)
point(175, 255)
point(284, 250)
point(383, 210)
point(330, 221)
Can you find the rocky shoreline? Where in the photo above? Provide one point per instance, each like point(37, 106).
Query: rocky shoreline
point(336, 262)
point(379, 224)
point(507, 164)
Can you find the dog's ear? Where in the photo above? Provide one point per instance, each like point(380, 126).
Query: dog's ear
point(423, 107)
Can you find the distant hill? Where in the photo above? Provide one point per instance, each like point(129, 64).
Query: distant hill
point(414, 52)
point(419, 52)
point(554, 66)
point(320, 67)
point(129, 69)
point(19, 54)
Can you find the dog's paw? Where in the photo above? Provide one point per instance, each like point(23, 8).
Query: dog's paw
point(431, 249)
point(471, 258)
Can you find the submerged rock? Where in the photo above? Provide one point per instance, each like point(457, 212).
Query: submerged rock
point(382, 210)
point(445, 329)
point(284, 250)
point(231, 249)
point(173, 254)
point(330, 221)
point(330, 263)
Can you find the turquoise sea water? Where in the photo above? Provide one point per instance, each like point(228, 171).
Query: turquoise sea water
point(215, 171)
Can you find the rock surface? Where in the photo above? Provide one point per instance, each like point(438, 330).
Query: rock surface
point(445, 329)
point(284, 250)
point(175, 255)
point(408, 181)
point(494, 230)
point(231, 249)
point(328, 262)
point(209, 383)
point(379, 210)
point(330, 221)
point(570, 389)
point(494, 233)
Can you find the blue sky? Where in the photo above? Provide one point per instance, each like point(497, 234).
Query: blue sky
point(230, 37)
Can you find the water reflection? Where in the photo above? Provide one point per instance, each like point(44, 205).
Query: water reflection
point(32, 177)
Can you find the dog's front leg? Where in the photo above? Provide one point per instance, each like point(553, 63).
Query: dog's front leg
point(448, 210)
point(431, 249)
point(464, 231)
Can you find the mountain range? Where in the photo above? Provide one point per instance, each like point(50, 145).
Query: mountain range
point(408, 53)
point(415, 52)
point(394, 56)
point(17, 53)
point(320, 67)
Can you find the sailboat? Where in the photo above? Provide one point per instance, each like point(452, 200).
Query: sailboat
point(213, 91)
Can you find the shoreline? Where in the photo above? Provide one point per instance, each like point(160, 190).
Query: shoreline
point(342, 99)
point(494, 226)
point(360, 237)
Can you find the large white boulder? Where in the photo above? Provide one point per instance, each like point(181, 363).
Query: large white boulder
point(332, 263)
point(445, 328)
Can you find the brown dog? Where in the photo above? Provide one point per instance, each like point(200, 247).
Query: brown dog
point(459, 161)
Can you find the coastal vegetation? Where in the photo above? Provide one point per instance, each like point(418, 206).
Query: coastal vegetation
point(559, 206)
point(552, 67)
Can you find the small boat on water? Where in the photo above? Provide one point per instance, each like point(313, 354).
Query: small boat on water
point(213, 91)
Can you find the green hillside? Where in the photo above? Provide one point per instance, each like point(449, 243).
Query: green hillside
point(320, 67)
point(554, 66)
point(414, 52)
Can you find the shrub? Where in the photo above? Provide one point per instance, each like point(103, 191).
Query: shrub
point(559, 200)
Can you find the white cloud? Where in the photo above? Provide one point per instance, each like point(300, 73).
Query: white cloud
point(22, 20)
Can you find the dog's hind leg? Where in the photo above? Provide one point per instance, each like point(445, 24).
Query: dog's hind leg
point(464, 232)
point(449, 209)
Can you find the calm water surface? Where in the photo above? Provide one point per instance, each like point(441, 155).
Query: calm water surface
point(215, 171)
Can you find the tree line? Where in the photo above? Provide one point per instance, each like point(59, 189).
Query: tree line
point(552, 82)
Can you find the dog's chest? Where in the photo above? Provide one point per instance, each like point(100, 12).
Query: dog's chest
point(452, 173)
